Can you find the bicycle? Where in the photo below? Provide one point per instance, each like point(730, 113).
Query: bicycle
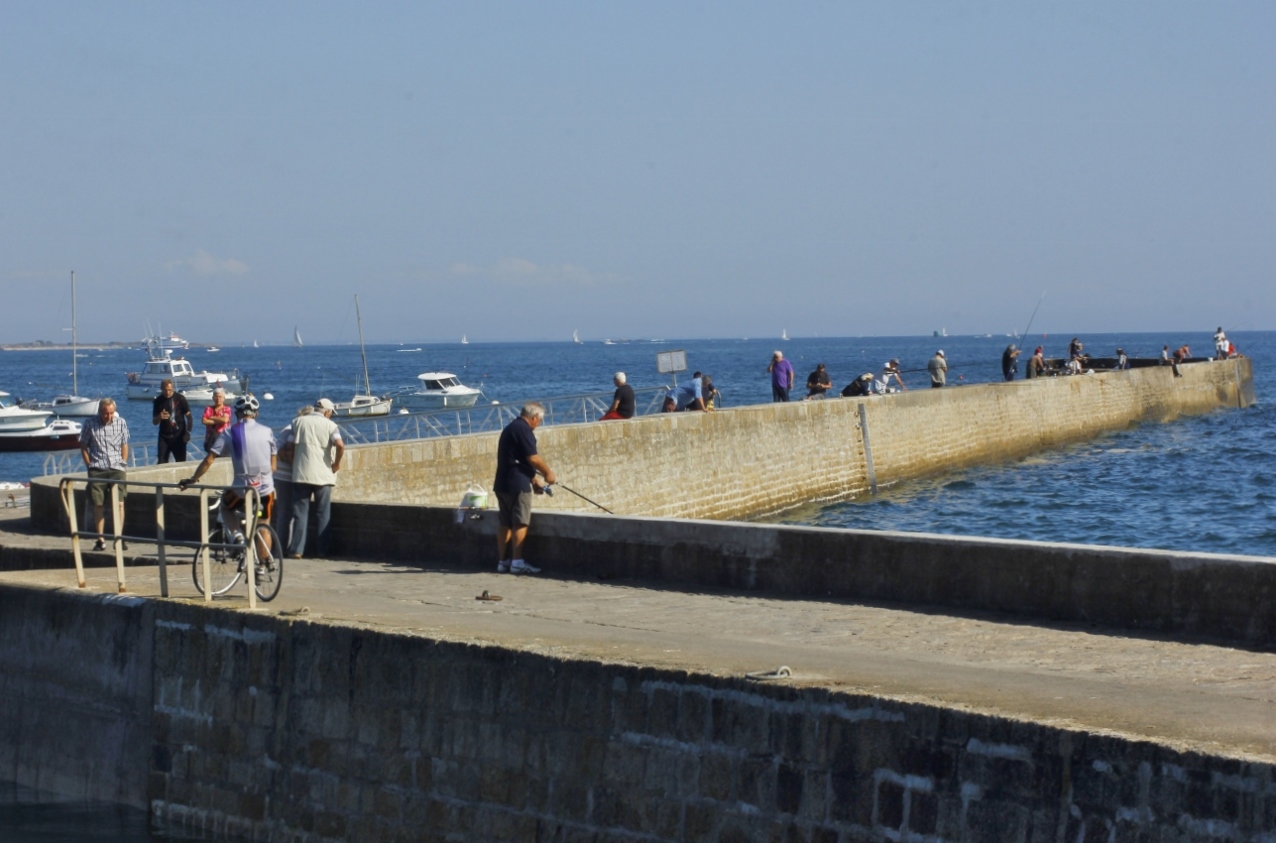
point(227, 552)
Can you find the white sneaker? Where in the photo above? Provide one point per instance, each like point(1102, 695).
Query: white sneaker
point(502, 567)
point(524, 568)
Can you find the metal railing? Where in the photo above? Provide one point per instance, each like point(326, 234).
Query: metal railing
point(252, 503)
point(564, 409)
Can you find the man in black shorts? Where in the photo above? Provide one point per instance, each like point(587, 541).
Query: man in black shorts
point(519, 470)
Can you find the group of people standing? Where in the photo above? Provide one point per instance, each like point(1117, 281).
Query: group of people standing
point(286, 477)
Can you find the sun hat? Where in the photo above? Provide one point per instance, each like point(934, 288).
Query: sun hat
point(325, 404)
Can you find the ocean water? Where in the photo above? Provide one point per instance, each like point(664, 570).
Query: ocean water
point(1203, 484)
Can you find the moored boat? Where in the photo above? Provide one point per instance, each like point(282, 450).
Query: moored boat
point(196, 386)
point(58, 435)
point(65, 406)
point(438, 391)
point(365, 403)
point(21, 419)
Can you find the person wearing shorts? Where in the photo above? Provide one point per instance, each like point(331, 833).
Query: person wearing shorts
point(104, 447)
point(253, 454)
point(519, 473)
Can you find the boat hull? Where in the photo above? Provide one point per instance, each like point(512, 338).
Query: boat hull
point(360, 408)
point(434, 401)
point(58, 436)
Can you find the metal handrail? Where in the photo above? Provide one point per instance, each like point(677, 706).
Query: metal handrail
point(563, 409)
point(67, 486)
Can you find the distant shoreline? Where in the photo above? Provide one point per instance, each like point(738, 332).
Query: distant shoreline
point(48, 346)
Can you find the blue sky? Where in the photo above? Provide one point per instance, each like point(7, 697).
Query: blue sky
point(519, 170)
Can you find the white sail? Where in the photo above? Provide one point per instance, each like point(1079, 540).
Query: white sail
point(464, 341)
point(296, 337)
point(784, 334)
point(576, 337)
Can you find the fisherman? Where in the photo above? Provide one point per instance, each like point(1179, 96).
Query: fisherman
point(688, 396)
point(863, 385)
point(519, 473)
point(1010, 362)
point(890, 371)
point(938, 368)
point(1181, 354)
point(817, 383)
point(1037, 364)
point(1220, 344)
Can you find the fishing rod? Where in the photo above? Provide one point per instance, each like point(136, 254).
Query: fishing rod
point(1024, 335)
point(549, 490)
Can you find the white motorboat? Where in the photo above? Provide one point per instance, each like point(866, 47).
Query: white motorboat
point(365, 403)
point(196, 386)
point(439, 391)
point(65, 406)
point(59, 435)
point(173, 342)
point(20, 419)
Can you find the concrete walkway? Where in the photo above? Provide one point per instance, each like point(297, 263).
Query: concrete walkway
point(1190, 696)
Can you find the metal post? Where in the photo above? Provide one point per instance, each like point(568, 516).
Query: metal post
point(252, 500)
point(118, 543)
point(68, 502)
point(159, 540)
point(203, 544)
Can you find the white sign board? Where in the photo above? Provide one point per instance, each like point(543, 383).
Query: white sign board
point(668, 362)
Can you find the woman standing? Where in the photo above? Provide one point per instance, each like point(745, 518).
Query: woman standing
point(216, 418)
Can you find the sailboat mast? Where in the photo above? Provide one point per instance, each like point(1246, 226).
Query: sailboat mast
point(75, 355)
point(367, 384)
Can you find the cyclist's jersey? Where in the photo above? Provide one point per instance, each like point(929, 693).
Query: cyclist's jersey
point(251, 445)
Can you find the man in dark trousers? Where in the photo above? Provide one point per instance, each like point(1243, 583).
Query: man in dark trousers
point(172, 415)
point(519, 470)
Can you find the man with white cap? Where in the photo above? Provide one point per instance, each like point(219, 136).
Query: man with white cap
point(316, 458)
point(938, 368)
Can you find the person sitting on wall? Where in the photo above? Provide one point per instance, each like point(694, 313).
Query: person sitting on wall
point(818, 383)
point(863, 385)
point(622, 402)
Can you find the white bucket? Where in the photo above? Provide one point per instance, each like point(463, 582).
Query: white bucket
point(475, 497)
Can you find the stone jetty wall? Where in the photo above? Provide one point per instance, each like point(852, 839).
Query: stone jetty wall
point(748, 461)
point(310, 732)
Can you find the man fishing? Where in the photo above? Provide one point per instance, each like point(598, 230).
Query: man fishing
point(519, 470)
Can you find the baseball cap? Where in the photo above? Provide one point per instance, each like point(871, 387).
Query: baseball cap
point(325, 404)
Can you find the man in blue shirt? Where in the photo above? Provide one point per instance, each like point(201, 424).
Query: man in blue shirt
point(689, 395)
point(519, 470)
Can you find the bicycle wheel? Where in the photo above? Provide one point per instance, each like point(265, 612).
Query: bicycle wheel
point(225, 566)
point(270, 563)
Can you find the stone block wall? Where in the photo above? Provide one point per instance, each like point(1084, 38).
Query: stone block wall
point(746, 461)
point(310, 732)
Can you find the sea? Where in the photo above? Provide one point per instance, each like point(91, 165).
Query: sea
point(1205, 483)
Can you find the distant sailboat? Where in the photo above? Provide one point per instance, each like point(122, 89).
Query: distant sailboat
point(296, 337)
point(464, 341)
point(255, 344)
point(576, 337)
point(784, 334)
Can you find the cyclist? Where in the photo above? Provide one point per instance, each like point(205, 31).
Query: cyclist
point(253, 453)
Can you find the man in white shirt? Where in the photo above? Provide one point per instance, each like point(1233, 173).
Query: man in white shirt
point(316, 458)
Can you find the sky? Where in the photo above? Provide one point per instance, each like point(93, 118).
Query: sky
point(517, 171)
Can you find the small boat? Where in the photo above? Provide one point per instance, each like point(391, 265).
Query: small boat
point(64, 406)
point(212, 348)
point(464, 341)
point(74, 405)
point(576, 337)
point(784, 334)
point(365, 404)
point(407, 349)
point(296, 338)
point(173, 342)
point(439, 391)
point(196, 386)
point(20, 419)
point(58, 435)
point(942, 332)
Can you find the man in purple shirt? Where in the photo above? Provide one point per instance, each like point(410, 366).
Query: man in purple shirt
point(781, 377)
